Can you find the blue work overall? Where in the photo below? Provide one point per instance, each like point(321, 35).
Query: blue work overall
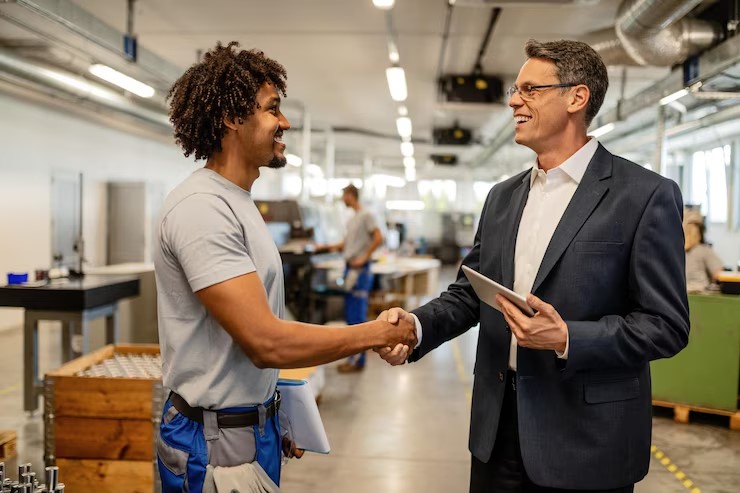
point(182, 450)
point(356, 304)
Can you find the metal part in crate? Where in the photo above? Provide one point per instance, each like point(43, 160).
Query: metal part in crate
point(27, 482)
point(126, 366)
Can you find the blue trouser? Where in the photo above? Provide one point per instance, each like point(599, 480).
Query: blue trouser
point(182, 452)
point(356, 304)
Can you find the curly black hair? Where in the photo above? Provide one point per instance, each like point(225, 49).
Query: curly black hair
point(223, 85)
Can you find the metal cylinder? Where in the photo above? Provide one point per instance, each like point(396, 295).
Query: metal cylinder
point(28, 478)
point(52, 478)
point(60, 488)
point(23, 469)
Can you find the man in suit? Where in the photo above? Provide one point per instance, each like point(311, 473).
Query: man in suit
point(561, 400)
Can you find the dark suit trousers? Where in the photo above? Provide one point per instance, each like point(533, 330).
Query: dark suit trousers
point(504, 472)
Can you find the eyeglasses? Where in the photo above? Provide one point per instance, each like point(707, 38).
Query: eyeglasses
point(528, 92)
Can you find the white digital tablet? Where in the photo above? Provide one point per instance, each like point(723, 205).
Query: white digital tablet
point(487, 289)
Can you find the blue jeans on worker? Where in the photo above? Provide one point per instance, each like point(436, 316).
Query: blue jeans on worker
point(356, 304)
point(182, 450)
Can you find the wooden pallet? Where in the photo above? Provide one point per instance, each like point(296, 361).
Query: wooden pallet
point(681, 412)
point(7, 445)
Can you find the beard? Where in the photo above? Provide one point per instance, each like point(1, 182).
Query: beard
point(277, 162)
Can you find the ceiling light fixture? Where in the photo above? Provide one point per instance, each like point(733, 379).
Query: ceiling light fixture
point(407, 149)
point(384, 4)
point(397, 83)
point(121, 80)
point(404, 205)
point(674, 97)
point(409, 162)
point(410, 174)
point(403, 125)
point(602, 130)
point(403, 111)
point(294, 160)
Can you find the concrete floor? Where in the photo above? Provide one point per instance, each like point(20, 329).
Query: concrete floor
point(406, 428)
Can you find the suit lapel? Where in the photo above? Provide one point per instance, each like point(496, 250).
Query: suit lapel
point(592, 188)
point(511, 229)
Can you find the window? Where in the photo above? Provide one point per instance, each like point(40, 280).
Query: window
point(709, 182)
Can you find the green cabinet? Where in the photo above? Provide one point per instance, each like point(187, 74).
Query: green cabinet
point(705, 374)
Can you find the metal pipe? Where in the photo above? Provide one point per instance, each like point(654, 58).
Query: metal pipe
point(443, 48)
point(130, 17)
point(305, 152)
point(609, 46)
point(331, 152)
point(78, 87)
point(654, 32)
point(478, 67)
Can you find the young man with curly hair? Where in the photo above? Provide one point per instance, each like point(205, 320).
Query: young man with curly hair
point(220, 280)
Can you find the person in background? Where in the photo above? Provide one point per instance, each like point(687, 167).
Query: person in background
point(220, 286)
point(361, 240)
point(702, 263)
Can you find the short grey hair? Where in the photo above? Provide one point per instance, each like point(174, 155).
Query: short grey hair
point(575, 63)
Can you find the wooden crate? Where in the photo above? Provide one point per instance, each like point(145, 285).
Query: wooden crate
point(102, 429)
point(8, 454)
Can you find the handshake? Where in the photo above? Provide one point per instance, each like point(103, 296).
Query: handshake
point(402, 336)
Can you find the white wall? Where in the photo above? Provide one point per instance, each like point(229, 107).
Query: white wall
point(35, 141)
point(725, 243)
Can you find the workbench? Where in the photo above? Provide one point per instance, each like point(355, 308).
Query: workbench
point(73, 302)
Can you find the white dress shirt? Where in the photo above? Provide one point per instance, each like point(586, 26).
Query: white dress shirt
point(549, 195)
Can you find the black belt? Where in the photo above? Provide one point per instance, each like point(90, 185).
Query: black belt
point(224, 419)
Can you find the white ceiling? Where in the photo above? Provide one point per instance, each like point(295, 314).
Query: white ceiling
point(335, 52)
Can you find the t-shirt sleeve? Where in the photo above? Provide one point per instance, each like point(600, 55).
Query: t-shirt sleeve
point(203, 235)
point(370, 223)
point(711, 261)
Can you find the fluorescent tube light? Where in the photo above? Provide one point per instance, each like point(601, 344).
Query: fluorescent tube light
point(294, 160)
point(403, 111)
point(404, 205)
point(393, 54)
point(121, 80)
point(602, 130)
point(403, 125)
point(384, 4)
point(407, 149)
point(397, 83)
point(410, 173)
point(389, 180)
point(409, 162)
point(674, 97)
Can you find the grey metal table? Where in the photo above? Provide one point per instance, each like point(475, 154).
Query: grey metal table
point(75, 303)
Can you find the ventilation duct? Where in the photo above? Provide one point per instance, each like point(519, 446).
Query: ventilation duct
point(654, 32)
point(78, 87)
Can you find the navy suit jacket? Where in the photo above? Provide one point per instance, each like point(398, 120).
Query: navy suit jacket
point(614, 270)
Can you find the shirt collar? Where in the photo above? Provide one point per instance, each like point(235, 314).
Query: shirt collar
point(575, 166)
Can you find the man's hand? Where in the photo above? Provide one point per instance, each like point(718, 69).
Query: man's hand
point(358, 262)
point(398, 354)
point(546, 330)
point(290, 450)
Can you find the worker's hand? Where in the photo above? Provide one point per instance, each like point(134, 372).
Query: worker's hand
point(546, 330)
point(290, 450)
point(358, 262)
point(398, 354)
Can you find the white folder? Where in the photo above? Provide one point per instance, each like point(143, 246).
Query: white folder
point(299, 406)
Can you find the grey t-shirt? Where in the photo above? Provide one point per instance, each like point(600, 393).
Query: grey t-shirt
point(701, 263)
point(211, 231)
point(359, 235)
